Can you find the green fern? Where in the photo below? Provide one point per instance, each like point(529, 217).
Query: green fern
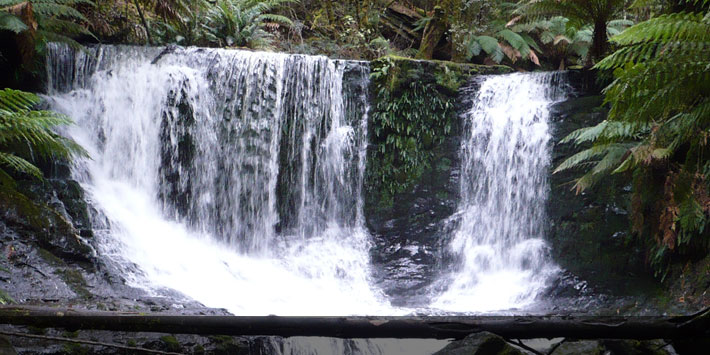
point(12, 23)
point(241, 22)
point(658, 125)
point(581, 13)
point(57, 20)
point(23, 130)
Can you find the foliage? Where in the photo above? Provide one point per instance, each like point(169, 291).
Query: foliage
point(413, 111)
point(243, 22)
point(26, 135)
point(561, 42)
point(56, 20)
point(580, 13)
point(502, 43)
point(657, 131)
point(477, 26)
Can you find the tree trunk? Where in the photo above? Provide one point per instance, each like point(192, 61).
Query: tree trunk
point(527, 327)
point(143, 21)
point(599, 41)
point(433, 32)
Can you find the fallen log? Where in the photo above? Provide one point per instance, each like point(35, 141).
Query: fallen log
point(523, 327)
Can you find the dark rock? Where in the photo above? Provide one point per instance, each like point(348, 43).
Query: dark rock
point(637, 347)
point(44, 225)
point(589, 232)
point(6, 347)
point(483, 343)
point(585, 347)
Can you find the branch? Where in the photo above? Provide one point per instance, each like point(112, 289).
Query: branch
point(524, 327)
point(522, 345)
point(87, 342)
point(145, 23)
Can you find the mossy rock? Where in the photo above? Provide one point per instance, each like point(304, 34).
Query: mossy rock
point(585, 347)
point(171, 343)
point(450, 75)
point(44, 225)
point(75, 281)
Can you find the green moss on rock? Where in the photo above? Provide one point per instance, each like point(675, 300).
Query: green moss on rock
point(42, 224)
point(75, 281)
point(414, 111)
point(171, 343)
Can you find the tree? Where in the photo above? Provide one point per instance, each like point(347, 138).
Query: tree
point(657, 131)
point(597, 13)
point(561, 43)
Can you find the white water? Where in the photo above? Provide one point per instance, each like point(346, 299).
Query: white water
point(186, 161)
point(505, 163)
point(236, 178)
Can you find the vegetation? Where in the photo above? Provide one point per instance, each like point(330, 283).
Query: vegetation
point(27, 135)
point(242, 23)
point(411, 113)
point(656, 133)
point(598, 13)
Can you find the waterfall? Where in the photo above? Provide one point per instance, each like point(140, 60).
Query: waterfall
point(233, 177)
point(501, 255)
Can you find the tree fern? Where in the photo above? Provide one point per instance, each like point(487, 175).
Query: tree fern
point(26, 134)
point(57, 20)
point(660, 114)
point(9, 22)
point(242, 22)
point(595, 13)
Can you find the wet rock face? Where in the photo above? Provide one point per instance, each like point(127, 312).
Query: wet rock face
point(588, 232)
point(407, 232)
point(37, 214)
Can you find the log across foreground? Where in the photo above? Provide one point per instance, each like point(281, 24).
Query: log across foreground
point(519, 327)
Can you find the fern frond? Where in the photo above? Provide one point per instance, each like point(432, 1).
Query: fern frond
point(20, 165)
point(16, 100)
point(515, 41)
point(50, 10)
point(9, 22)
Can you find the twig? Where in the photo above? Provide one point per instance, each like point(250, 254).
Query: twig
point(87, 342)
point(663, 346)
point(522, 345)
point(554, 347)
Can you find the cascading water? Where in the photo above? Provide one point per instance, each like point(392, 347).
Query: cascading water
point(233, 177)
point(499, 245)
point(236, 179)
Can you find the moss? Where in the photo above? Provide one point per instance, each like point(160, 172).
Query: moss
point(415, 110)
point(75, 281)
point(40, 222)
point(198, 349)
point(171, 343)
point(71, 348)
point(37, 330)
point(72, 335)
point(222, 339)
point(131, 342)
point(21, 209)
point(50, 258)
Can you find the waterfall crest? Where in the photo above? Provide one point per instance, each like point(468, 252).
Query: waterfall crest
point(502, 260)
